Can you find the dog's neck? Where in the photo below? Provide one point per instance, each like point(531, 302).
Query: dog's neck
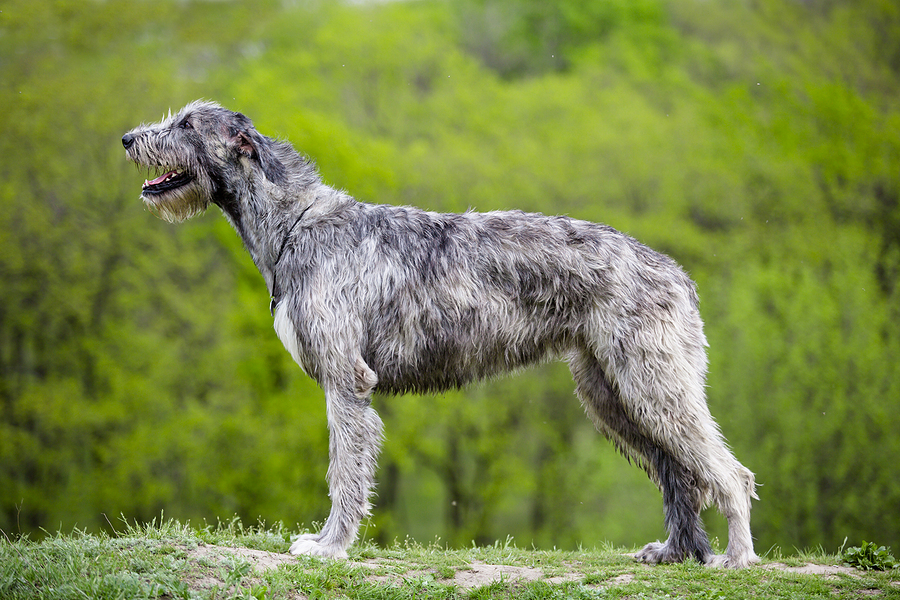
point(268, 209)
point(275, 290)
point(268, 227)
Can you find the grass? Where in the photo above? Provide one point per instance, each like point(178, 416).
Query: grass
point(173, 560)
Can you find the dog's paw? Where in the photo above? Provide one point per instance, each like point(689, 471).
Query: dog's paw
point(654, 553)
point(732, 562)
point(718, 561)
point(309, 545)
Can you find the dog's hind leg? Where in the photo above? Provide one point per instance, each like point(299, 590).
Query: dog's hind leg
point(672, 435)
point(664, 388)
point(355, 433)
point(682, 500)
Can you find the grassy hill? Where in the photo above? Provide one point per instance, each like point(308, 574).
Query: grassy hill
point(174, 560)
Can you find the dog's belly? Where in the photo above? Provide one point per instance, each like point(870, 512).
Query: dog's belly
point(436, 358)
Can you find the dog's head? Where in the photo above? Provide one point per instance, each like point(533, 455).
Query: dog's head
point(198, 156)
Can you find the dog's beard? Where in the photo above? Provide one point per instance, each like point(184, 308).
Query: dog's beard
point(178, 204)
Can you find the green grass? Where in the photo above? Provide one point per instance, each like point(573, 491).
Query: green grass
point(174, 560)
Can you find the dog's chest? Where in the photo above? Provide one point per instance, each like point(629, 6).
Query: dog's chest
point(287, 333)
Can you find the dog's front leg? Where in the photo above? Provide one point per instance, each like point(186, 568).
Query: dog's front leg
point(355, 432)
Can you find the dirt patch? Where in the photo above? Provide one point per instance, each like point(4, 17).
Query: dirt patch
point(261, 560)
point(826, 571)
point(484, 574)
point(620, 579)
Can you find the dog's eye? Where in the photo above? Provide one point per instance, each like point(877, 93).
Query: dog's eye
point(185, 125)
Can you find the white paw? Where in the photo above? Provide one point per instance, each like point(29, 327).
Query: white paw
point(732, 562)
point(718, 561)
point(309, 545)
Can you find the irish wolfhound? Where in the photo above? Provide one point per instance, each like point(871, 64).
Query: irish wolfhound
point(395, 299)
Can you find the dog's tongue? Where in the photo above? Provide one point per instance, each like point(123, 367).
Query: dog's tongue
point(161, 178)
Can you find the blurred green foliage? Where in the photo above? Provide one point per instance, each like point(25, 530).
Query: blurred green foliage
point(756, 142)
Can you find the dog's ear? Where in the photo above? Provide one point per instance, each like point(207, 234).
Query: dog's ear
point(244, 145)
point(258, 147)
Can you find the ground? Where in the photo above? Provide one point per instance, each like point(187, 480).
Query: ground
point(466, 575)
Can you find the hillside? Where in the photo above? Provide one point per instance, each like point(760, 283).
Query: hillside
point(174, 561)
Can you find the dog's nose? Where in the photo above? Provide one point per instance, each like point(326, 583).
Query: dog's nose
point(127, 140)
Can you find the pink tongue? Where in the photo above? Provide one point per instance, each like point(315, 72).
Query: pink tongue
point(161, 178)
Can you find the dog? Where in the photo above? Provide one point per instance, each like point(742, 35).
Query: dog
point(376, 298)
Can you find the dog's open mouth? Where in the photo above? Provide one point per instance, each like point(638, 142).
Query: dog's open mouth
point(168, 181)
